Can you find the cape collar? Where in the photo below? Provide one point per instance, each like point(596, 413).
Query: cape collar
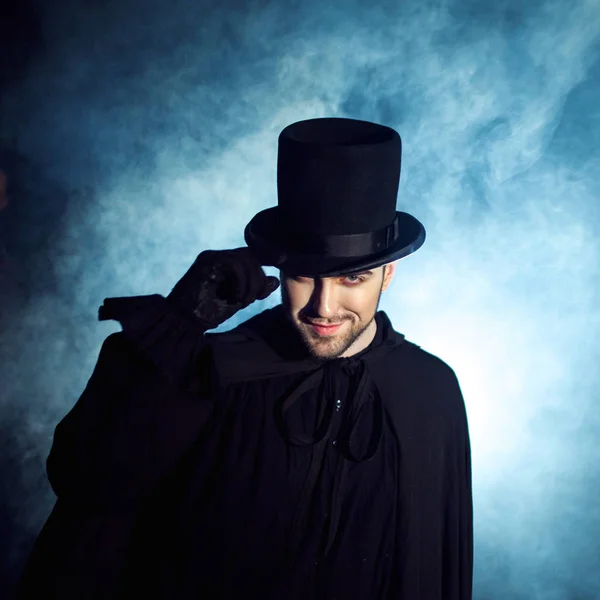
point(267, 346)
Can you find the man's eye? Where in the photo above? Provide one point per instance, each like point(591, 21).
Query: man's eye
point(354, 279)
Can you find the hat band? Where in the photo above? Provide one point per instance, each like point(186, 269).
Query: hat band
point(351, 245)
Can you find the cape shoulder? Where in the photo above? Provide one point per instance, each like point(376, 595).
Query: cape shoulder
point(415, 380)
point(421, 378)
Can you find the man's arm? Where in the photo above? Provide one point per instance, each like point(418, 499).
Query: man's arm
point(434, 557)
point(147, 400)
point(123, 434)
point(458, 530)
point(148, 397)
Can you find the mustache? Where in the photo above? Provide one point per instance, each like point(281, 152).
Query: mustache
point(323, 323)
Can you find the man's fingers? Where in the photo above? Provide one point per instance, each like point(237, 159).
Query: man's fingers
point(244, 280)
point(253, 276)
point(271, 284)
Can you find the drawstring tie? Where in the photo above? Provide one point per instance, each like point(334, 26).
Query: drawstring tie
point(326, 380)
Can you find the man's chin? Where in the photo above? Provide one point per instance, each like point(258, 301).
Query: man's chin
point(324, 346)
point(324, 353)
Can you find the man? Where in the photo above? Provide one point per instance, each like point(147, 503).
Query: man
point(310, 453)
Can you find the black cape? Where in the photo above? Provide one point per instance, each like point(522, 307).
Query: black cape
point(230, 465)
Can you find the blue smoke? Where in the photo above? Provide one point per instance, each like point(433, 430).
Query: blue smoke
point(138, 134)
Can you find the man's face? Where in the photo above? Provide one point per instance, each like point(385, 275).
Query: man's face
point(347, 304)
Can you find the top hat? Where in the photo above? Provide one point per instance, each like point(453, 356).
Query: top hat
point(337, 185)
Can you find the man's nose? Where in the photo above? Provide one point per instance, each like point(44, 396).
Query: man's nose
point(324, 300)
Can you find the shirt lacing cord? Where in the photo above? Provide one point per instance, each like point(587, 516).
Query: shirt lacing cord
point(364, 390)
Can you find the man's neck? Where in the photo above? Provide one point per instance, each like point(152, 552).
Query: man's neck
point(366, 337)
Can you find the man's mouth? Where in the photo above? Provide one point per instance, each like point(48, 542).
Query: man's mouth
point(324, 329)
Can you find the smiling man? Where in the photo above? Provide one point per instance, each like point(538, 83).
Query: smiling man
point(335, 316)
point(312, 452)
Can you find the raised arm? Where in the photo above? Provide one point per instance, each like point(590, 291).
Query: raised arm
point(147, 400)
point(151, 391)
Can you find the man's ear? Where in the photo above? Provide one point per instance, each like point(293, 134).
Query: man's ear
point(388, 274)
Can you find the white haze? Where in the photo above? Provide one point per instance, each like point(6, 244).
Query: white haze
point(162, 123)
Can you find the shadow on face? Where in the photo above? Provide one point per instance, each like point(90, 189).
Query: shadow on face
point(335, 315)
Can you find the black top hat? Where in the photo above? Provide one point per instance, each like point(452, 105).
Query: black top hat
point(337, 184)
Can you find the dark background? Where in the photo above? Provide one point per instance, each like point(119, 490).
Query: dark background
point(135, 134)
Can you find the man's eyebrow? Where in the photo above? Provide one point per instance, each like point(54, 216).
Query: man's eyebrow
point(358, 273)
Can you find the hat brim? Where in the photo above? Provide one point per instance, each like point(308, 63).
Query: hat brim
point(265, 235)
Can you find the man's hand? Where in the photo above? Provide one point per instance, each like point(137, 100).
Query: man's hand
point(219, 284)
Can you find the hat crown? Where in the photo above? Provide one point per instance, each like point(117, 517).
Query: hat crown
point(338, 176)
point(337, 187)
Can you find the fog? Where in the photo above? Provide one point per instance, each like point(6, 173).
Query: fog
point(134, 135)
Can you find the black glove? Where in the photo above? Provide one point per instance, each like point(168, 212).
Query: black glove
point(219, 284)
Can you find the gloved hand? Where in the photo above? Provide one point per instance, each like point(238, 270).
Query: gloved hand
point(220, 283)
